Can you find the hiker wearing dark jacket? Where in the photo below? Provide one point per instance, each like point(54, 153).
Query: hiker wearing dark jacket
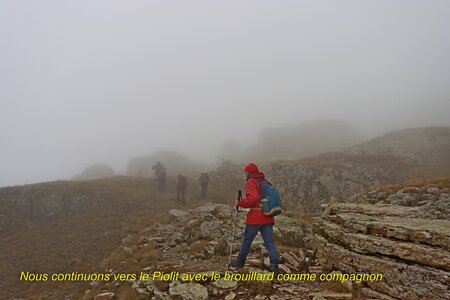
point(181, 188)
point(256, 220)
point(204, 180)
point(162, 178)
point(158, 167)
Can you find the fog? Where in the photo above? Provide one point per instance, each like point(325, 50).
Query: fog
point(84, 82)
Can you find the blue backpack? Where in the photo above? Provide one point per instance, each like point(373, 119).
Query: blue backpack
point(270, 199)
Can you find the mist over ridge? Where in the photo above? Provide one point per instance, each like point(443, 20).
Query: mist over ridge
point(105, 82)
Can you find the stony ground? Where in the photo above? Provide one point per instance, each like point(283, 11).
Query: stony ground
point(400, 232)
point(197, 241)
point(122, 225)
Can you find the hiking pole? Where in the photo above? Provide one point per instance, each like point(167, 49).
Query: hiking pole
point(234, 227)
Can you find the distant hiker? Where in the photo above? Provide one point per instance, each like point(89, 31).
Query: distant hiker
point(162, 178)
point(256, 220)
point(158, 167)
point(181, 188)
point(204, 180)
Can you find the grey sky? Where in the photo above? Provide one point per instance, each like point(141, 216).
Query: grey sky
point(83, 82)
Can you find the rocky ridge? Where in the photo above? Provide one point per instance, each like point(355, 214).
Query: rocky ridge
point(403, 234)
point(424, 145)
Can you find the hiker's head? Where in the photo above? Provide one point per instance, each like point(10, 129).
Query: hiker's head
point(250, 169)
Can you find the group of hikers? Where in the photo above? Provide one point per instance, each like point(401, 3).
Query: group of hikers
point(182, 182)
point(260, 217)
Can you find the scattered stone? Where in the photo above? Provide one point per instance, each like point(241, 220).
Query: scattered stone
point(253, 262)
point(331, 295)
point(211, 230)
point(230, 296)
point(179, 215)
point(188, 291)
point(284, 269)
point(225, 284)
point(193, 223)
point(104, 296)
point(267, 262)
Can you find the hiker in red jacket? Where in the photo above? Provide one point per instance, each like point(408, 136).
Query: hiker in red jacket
point(256, 220)
point(181, 188)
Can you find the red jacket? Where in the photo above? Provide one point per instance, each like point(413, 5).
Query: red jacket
point(253, 199)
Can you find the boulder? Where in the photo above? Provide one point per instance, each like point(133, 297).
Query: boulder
point(225, 284)
point(180, 216)
point(104, 296)
point(211, 230)
point(188, 291)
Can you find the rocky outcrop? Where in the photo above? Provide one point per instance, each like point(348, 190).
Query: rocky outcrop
point(95, 172)
point(409, 245)
point(44, 202)
point(306, 186)
point(425, 145)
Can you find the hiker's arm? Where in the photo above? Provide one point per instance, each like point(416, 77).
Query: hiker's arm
point(251, 195)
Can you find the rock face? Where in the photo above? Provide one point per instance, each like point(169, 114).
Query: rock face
point(407, 242)
point(426, 145)
point(307, 186)
point(95, 172)
point(48, 201)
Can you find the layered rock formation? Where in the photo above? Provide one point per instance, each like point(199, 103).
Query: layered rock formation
point(408, 242)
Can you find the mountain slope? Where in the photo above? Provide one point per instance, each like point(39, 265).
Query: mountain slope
point(424, 145)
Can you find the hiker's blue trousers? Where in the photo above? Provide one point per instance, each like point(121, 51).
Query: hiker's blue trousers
point(250, 232)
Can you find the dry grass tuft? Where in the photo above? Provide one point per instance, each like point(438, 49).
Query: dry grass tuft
point(198, 245)
point(222, 247)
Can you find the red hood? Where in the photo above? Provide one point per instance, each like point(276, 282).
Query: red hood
point(257, 175)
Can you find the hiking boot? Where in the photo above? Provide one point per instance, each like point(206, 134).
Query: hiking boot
point(236, 264)
point(274, 269)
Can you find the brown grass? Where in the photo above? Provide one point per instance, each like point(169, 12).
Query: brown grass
point(198, 245)
point(441, 182)
point(80, 241)
point(305, 218)
point(336, 286)
point(126, 292)
point(222, 247)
